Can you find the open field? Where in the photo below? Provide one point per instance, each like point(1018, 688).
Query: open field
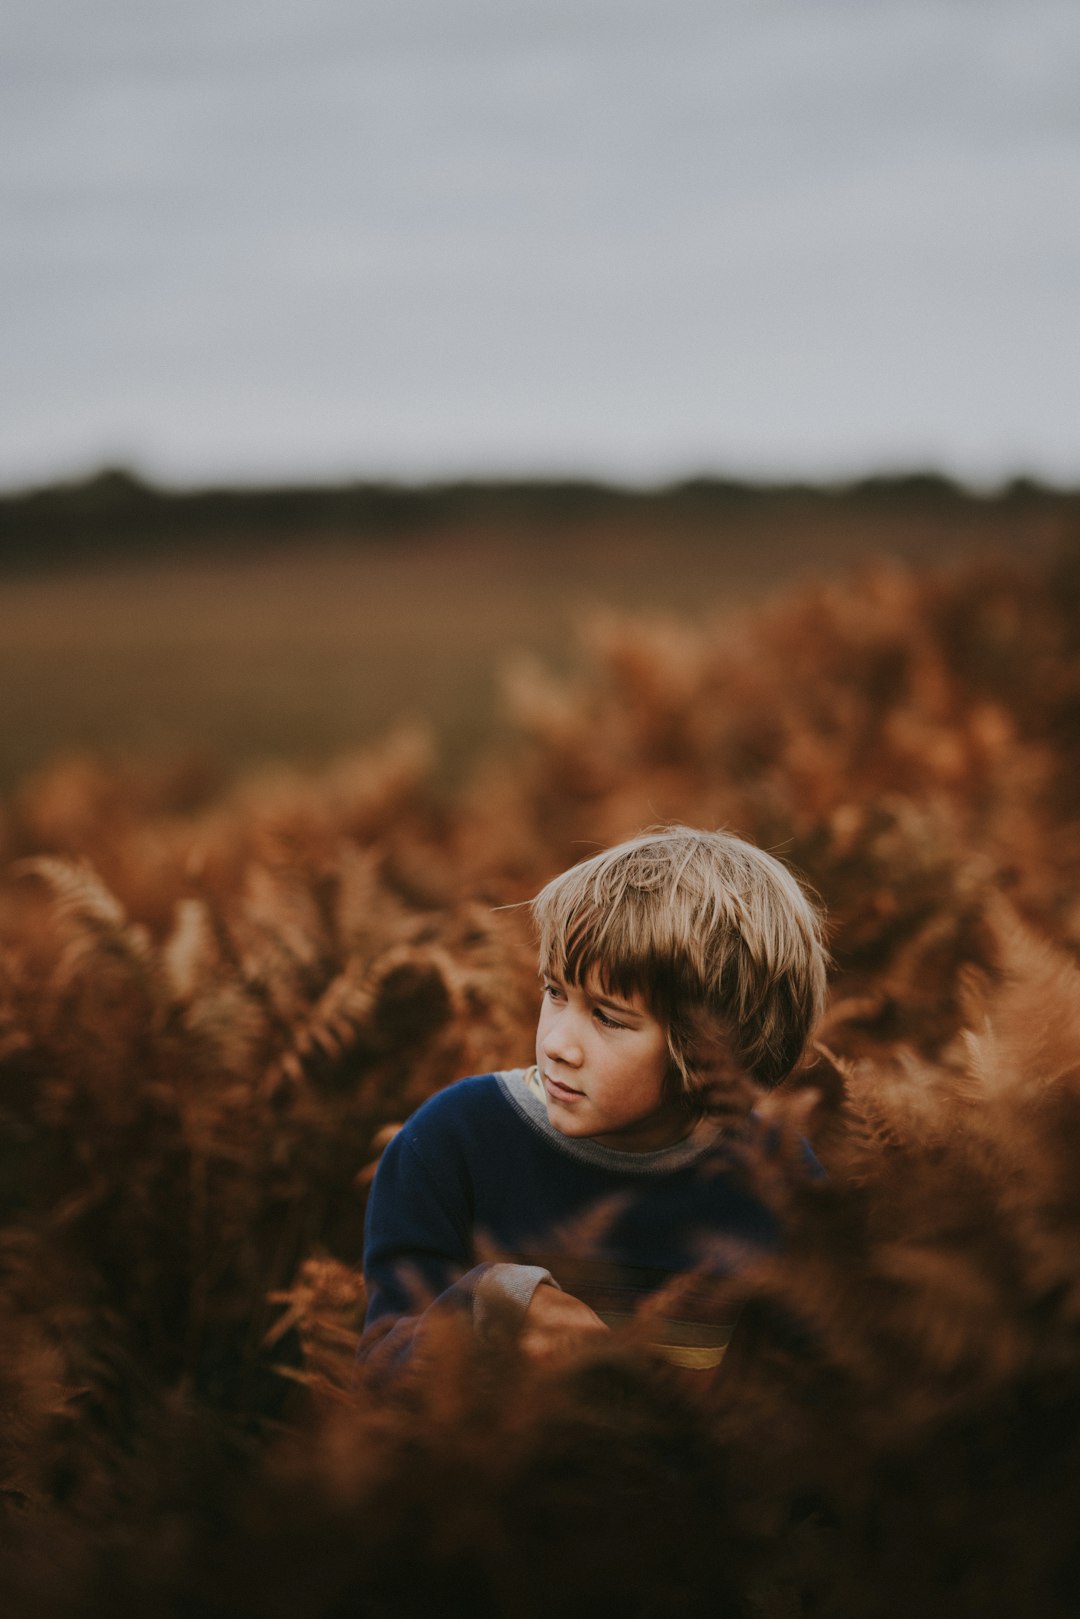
point(219, 994)
point(304, 643)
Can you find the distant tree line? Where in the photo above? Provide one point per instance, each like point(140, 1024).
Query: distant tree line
point(115, 510)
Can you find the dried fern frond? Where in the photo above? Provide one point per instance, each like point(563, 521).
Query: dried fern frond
point(78, 893)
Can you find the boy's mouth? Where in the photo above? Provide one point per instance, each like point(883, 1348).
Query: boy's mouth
point(559, 1092)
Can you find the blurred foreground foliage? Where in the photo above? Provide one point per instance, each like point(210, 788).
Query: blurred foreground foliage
point(216, 1001)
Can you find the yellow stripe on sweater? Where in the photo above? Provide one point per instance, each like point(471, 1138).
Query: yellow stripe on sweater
point(694, 1344)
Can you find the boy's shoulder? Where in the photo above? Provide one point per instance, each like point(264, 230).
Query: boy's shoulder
point(464, 1108)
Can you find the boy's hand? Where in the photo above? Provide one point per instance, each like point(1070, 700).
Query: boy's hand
point(556, 1323)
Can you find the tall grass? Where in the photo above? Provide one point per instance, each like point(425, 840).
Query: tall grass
point(215, 1003)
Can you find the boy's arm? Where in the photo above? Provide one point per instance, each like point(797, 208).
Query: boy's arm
point(419, 1260)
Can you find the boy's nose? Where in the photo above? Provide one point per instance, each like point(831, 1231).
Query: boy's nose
point(560, 1045)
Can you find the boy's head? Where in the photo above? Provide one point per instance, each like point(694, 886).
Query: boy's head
point(713, 935)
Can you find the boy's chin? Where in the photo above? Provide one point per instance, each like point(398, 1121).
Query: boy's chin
point(566, 1121)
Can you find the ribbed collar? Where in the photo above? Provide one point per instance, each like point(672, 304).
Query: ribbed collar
point(519, 1087)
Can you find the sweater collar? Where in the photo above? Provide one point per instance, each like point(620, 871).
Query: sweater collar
point(524, 1090)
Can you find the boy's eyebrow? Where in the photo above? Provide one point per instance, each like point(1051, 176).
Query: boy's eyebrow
point(599, 997)
point(623, 1007)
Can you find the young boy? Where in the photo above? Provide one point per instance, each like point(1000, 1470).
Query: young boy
point(549, 1202)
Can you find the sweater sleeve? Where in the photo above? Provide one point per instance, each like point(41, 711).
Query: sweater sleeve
point(419, 1260)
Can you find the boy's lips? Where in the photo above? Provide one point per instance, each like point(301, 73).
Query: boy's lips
point(558, 1091)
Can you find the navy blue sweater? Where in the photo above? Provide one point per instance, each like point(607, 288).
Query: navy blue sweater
point(478, 1199)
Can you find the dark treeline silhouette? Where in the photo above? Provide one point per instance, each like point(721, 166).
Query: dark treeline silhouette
point(115, 511)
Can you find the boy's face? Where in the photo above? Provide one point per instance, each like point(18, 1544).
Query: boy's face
point(603, 1060)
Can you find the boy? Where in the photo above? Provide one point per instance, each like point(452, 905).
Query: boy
point(550, 1202)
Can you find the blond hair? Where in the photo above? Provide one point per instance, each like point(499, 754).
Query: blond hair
point(705, 928)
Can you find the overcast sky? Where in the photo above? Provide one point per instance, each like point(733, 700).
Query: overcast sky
point(421, 238)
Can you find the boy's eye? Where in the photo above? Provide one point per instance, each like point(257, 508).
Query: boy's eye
point(553, 992)
point(608, 1022)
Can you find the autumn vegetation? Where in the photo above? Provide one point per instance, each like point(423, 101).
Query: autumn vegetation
point(216, 1000)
